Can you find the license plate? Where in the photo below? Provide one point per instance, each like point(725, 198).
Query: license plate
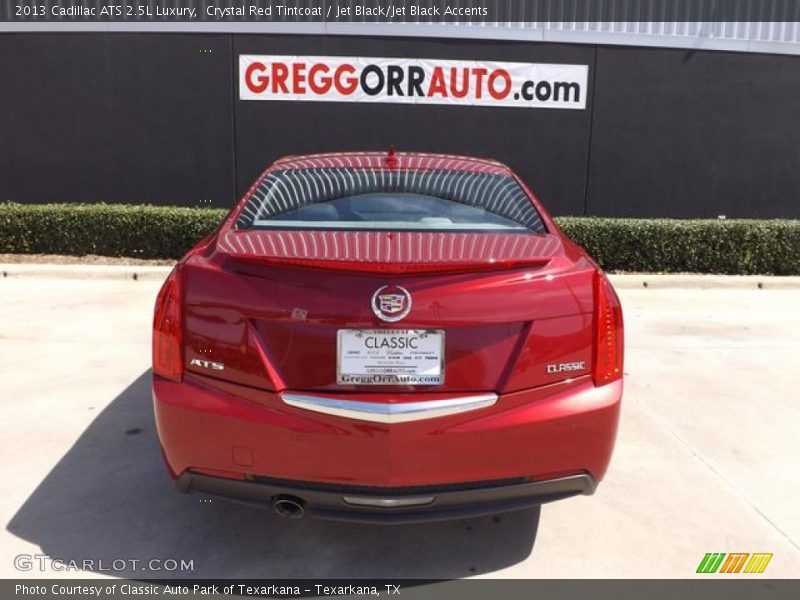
point(390, 357)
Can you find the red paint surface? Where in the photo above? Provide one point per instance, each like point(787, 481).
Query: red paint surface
point(268, 304)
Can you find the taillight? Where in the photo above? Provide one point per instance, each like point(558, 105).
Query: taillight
point(608, 336)
point(167, 355)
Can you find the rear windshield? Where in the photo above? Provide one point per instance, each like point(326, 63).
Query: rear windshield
point(360, 199)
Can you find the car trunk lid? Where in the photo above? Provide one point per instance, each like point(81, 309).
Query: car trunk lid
point(269, 306)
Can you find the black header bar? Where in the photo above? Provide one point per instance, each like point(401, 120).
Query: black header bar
point(398, 11)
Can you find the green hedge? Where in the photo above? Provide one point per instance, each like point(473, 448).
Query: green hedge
point(732, 246)
point(104, 229)
point(704, 246)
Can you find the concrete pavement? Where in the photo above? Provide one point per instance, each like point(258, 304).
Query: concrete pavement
point(706, 458)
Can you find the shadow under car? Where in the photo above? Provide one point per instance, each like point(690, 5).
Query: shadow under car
point(109, 499)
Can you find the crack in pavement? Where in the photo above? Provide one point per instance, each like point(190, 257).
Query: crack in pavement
point(737, 491)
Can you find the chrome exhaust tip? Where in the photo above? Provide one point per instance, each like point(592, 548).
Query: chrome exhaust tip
point(288, 507)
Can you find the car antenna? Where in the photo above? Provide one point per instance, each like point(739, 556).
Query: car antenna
point(391, 157)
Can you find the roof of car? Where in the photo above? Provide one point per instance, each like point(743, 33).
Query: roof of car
point(392, 160)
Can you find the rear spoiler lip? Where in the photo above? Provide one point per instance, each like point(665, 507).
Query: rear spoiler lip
point(413, 268)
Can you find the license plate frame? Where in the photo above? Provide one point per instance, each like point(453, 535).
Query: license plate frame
point(422, 365)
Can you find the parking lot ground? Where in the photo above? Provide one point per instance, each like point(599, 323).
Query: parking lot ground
point(706, 460)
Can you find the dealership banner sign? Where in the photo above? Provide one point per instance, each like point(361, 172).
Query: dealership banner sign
point(412, 81)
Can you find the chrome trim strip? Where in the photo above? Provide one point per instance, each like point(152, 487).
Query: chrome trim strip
point(379, 412)
point(388, 502)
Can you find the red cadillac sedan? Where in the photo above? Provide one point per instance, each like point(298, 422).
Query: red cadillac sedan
point(389, 338)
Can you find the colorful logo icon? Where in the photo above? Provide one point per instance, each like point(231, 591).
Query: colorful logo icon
point(734, 562)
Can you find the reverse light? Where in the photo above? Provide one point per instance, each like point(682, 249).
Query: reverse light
point(167, 355)
point(608, 333)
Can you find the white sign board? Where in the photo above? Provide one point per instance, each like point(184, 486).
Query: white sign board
point(412, 81)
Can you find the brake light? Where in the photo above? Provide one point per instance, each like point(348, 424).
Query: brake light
point(608, 333)
point(167, 354)
point(405, 268)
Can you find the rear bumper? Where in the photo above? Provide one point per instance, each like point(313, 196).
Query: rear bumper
point(243, 435)
point(431, 503)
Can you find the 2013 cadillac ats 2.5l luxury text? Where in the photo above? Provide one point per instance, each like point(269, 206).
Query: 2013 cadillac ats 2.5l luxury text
point(387, 337)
